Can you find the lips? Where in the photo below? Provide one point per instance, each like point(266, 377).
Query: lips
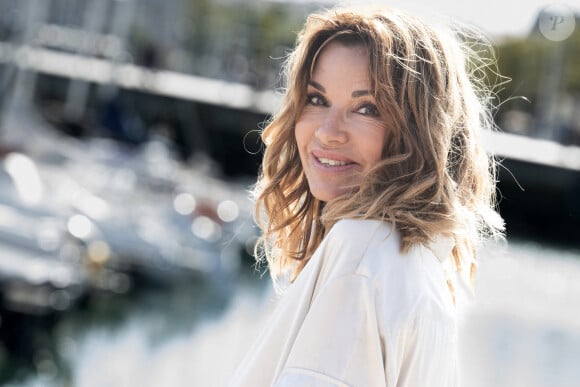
point(331, 159)
point(330, 162)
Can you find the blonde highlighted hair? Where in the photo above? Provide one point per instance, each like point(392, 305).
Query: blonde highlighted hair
point(434, 179)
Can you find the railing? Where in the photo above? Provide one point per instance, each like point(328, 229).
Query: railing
point(240, 96)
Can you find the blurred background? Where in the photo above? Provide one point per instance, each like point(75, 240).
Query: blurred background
point(129, 142)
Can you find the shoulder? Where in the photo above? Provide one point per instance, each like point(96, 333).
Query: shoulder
point(410, 285)
point(371, 248)
point(349, 241)
point(355, 239)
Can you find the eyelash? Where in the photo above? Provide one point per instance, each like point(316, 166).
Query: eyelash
point(311, 96)
point(373, 111)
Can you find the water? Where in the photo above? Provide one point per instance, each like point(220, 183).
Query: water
point(522, 330)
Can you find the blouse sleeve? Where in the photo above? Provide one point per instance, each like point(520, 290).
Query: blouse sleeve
point(338, 343)
point(386, 322)
point(343, 342)
point(422, 352)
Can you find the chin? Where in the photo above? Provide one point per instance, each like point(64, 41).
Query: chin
point(326, 195)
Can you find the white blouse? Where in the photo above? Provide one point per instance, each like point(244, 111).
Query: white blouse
point(360, 314)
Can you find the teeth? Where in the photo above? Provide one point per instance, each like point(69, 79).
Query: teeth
point(332, 162)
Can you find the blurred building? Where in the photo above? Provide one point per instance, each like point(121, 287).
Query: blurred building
point(231, 40)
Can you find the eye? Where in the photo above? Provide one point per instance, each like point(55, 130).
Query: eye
point(315, 99)
point(368, 109)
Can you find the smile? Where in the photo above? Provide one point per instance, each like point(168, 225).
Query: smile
point(334, 163)
point(330, 162)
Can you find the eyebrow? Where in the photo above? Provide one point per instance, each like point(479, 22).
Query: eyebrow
point(317, 86)
point(360, 93)
point(355, 94)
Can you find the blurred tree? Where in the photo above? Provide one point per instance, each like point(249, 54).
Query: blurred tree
point(545, 73)
point(243, 40)
point(200, 12)
point(523, 60)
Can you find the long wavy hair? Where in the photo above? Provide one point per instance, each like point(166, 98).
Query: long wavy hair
point(434, 179)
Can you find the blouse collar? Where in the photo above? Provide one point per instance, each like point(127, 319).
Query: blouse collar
point(441, 247)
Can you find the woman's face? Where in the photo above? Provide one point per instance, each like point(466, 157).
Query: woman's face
point(340, 133)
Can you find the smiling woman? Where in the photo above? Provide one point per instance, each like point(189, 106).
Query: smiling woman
point(374, 190)
point(340, 133)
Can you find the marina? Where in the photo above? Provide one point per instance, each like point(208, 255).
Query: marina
point(178, 306)
point(188, 334)
point(126, 222)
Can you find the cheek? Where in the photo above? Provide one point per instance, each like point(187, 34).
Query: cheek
point(373, 146)
point(298, 138)
point(375, 155)
point(301, 135)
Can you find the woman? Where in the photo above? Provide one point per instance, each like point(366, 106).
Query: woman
point(374, 189)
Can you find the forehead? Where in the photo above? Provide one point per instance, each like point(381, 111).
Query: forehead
point(347, 62)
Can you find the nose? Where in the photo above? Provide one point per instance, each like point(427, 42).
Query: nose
point(331, 130)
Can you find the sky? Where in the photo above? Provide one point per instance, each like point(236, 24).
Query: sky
point(496, 18)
